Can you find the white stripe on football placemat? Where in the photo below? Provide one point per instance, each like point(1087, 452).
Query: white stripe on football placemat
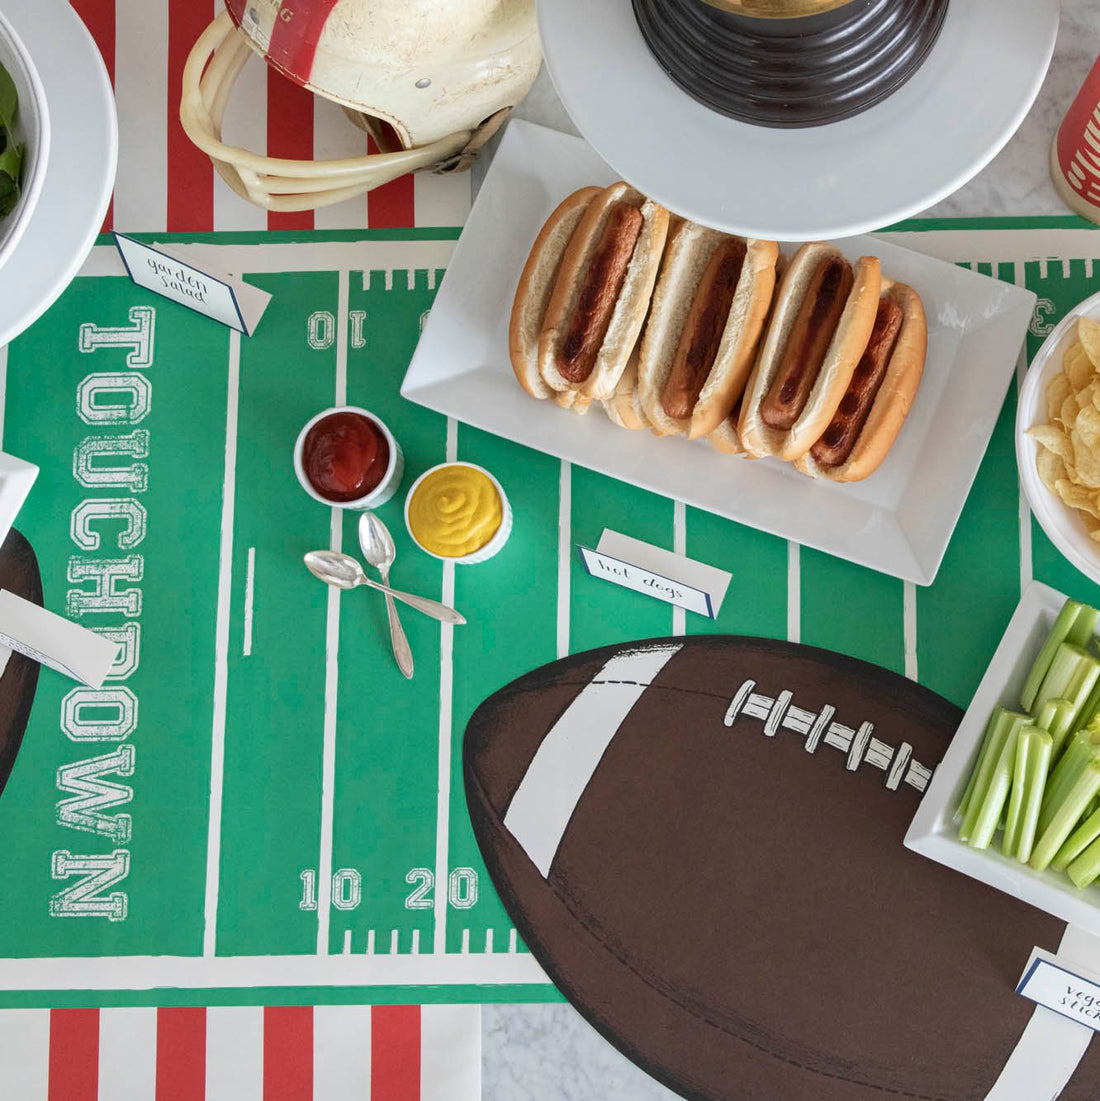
point(141, 91)
point(127, 1054)
point(341, 1051)
point(446, 1030)
point(794, 592)
point(1051, 1046)
point(565, 554)
point(679, 546)
point(235, 1053)
point(25, 1054)
point(564, 763)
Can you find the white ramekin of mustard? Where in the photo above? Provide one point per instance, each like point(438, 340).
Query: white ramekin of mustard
point(458, 512)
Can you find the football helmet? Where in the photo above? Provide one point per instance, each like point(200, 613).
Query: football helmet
point(430, 80)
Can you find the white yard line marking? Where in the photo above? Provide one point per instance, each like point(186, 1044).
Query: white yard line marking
point(679, 546)
point(909, 627)
point(465, 949)
point(443, 774)
point(565, 554)
point(1067, 269)
point(488, 941)
point(794, 593)
point(347, 942)
point(1019, 276)
point(394, 942)
point(416, 942)
point(249, 598)
point(221, 651)
point(332, 657)
point(127, 1054)
point(513, 941)
point(308, 970)
point(370, 942)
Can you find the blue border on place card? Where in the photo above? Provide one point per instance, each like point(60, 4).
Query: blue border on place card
point(1029, 973)
point(175, 260)
point(581, 548)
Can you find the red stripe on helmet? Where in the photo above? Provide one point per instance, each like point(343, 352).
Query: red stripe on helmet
point(294, 38)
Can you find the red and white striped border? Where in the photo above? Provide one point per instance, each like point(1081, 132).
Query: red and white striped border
point(241, 1053)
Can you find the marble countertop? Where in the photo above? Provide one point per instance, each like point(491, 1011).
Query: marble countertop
point(548, 1052)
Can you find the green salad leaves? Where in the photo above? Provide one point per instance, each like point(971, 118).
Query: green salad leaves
point(11, 154)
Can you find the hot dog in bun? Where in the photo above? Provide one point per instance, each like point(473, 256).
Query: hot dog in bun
point(601, 293)
point(705, 321)
point(536, 284)
point(880, 393)
point(821, 323)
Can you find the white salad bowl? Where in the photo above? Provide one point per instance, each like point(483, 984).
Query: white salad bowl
point(32, 129)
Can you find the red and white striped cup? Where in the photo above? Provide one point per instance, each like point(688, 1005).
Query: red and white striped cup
point(1075, 151)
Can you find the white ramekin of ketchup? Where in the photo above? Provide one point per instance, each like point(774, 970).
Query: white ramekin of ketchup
point(345, 456)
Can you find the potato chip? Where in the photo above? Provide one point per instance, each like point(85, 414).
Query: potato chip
point(1078, 496)
point(1088, 426)
point(1091, 522)
point(1058, 389)
point(1077, 366)
point(1068, 413)
point(1088, 332)
point(1086, 462)
point(1050, 467)
point(1053, 439)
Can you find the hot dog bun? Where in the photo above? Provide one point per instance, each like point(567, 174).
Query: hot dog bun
point(903, 357)
point(624, 407)
point(709, 306)
point(536, 284)
point(726, 438)
point(602, 293)
point(829, 375)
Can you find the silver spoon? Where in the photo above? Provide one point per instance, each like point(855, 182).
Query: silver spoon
point(376, 543)
point(344, 572)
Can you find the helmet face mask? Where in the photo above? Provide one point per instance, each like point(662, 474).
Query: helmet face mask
point(440, 75)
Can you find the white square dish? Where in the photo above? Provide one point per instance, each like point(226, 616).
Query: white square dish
point(16, 479)
point(934, 831)
point(898, 521)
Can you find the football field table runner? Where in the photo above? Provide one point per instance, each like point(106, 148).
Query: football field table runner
point(258, 808)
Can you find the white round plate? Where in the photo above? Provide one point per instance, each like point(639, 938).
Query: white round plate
point(927, 139)
point(81, 169)
point(1063, 525)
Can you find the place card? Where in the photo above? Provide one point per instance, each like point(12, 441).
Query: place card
point(170, 273)
point(55, 641)
point(1067, 990)
point(659, 573)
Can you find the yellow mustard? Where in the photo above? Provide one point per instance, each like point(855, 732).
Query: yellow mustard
point(455, 511)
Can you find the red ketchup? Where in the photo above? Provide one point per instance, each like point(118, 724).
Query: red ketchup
point(345, 456)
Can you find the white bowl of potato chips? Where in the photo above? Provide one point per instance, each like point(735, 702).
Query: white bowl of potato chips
point(1058, 436)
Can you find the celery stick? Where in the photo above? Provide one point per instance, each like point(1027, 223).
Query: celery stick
point(1084, 626)
point(1038, 766)
point(1065, 715)
point(1070, 766)
point(1072, 676)
point(1062, 626)
point(1010, 840)
point(1091, 707)
point(1086, 867)
point(1007, 724)
point(987, 739)
point(1047, 714)
point(1077, 842)
point(992, 803)
point(1066, 816)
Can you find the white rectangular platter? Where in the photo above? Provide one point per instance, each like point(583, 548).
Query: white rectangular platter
point(934, 832)
point(898, 521)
